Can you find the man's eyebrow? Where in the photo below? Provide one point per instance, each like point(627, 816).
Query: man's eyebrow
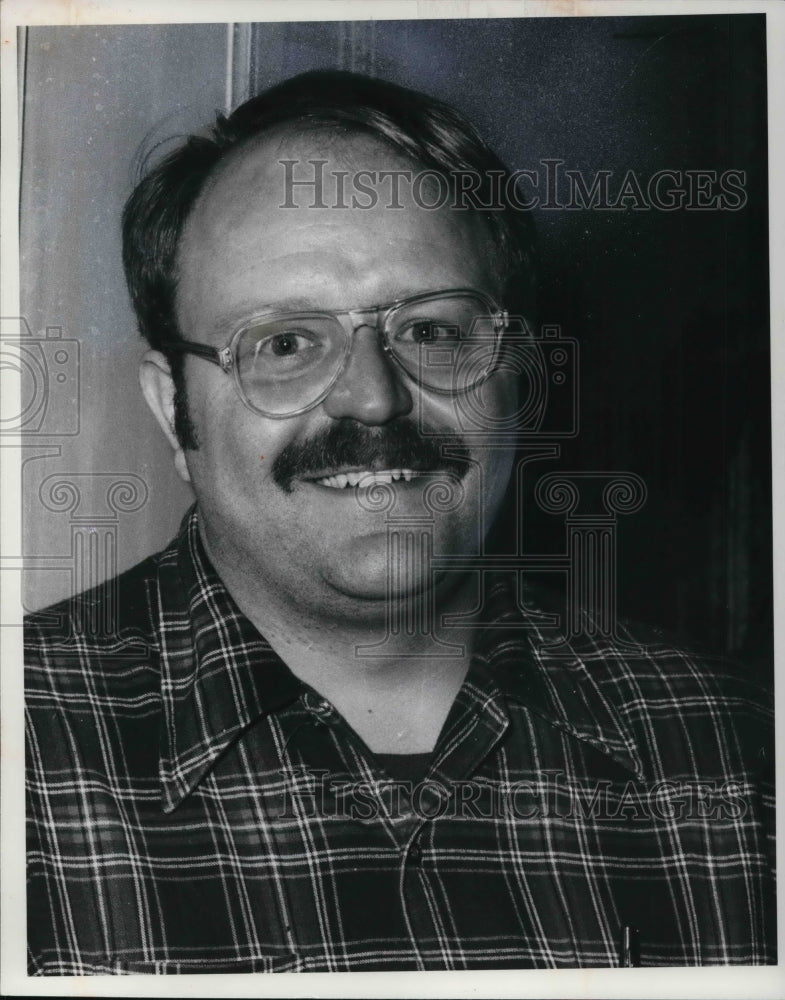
point(230, 321)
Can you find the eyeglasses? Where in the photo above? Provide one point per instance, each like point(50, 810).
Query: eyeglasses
point(286, 363)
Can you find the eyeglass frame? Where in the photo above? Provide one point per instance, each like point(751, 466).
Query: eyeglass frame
point(224, 357)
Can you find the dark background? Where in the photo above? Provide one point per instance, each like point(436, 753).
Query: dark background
point(670, 308)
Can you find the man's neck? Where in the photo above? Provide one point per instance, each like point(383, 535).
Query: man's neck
point(395, 689)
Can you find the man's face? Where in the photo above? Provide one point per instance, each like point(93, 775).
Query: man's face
point(307, 542)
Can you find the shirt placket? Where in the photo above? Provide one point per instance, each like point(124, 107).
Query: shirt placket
point(471, 734)
point(407, 819)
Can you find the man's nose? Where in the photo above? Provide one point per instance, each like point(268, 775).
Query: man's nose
point(369, 389)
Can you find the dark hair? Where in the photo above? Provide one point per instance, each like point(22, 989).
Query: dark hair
point(425, 130)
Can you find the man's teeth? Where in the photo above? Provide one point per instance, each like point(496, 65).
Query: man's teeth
point(366, 478)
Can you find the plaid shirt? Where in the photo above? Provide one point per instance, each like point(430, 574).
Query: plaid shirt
point(194, 807)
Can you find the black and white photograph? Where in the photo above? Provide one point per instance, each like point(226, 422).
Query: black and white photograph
point(388, 565)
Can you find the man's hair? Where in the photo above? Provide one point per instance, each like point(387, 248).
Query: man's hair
point(422, 129)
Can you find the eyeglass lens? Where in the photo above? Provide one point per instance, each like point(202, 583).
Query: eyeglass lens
point(447, 343)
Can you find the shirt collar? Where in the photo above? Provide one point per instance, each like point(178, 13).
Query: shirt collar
point(530, 662)
point(219, 675)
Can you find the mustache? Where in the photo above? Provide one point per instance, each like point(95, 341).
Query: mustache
point(347, 443)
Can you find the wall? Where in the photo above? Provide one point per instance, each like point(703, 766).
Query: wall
point(98, 473)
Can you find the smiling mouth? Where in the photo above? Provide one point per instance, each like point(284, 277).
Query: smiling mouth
point(365, 478)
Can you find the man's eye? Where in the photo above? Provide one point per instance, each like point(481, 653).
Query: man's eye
point(427, 331)
point(285, 351)
point(288, 344)
point(285, 345)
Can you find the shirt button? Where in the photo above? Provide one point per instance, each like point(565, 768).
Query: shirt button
point(415, 854)
point(319, 706)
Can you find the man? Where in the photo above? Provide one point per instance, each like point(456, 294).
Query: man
point(282, 758)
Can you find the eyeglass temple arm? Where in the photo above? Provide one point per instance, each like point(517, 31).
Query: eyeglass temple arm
point(221, 357)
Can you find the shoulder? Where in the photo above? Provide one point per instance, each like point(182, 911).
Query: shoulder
point(119, 609)
point(690, 711)
point(670, 675)
point(678, 710)
point(95, 645)
point(643, 673)
point(93, 688)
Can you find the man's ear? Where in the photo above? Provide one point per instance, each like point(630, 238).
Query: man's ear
point(155, 378)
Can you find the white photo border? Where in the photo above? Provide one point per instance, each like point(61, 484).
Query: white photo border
point(709, 982)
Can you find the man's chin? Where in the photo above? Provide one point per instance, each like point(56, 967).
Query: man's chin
point(377, 593)
point(372, 574)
